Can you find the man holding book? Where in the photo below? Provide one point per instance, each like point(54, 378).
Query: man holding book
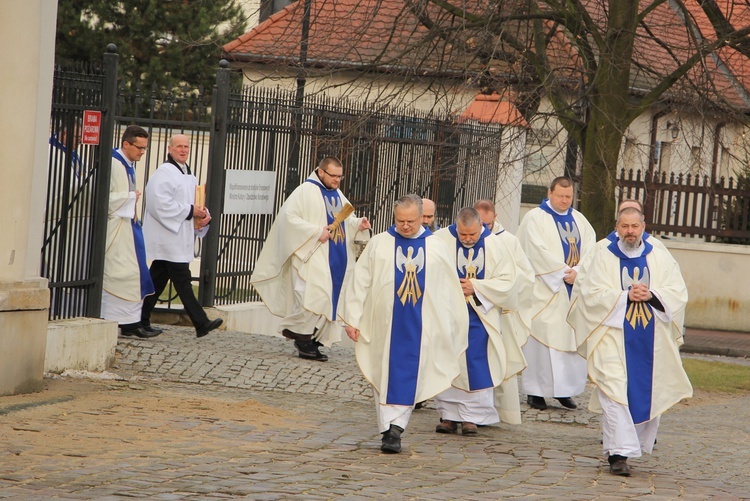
point(307, 258)
point(172, 217)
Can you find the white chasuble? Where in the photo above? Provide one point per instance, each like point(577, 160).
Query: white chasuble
point(402, 297)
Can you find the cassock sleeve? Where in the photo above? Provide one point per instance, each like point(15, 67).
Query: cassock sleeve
point(500, 286)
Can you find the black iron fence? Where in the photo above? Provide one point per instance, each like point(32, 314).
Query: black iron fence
point(386, 152)
point(687, 205)
point(72, 254)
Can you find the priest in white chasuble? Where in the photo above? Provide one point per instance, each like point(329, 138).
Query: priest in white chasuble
point(400, 309)
point(306, 260)
point(556, 239)
point(126, 278)
point(626, 321)
point(488, 277)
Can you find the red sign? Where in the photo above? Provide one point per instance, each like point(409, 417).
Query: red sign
point(92, 126)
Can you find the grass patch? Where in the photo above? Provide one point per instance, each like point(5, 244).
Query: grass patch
point(717, 376)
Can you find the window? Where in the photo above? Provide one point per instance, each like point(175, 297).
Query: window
point(270, 7)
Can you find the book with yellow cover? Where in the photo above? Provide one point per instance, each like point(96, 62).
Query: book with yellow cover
point(200, 199)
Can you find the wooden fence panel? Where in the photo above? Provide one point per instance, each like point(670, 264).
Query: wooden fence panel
point(687, 205)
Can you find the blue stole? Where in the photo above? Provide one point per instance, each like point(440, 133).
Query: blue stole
point(470, 263)
point(147, 286)
point(570, 237)
point(638, 331)
point(410, 259)
point(337, 258)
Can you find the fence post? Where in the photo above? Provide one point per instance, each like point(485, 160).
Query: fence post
point(215, 184)
point(104, 170)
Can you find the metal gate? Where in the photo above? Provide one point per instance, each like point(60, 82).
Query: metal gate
point(75, 216)
point(385, 153)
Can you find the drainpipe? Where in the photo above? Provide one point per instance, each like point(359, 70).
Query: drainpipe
point(717, 146)
point(648, 202)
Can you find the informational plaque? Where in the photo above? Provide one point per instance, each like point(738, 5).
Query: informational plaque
point(249, 192)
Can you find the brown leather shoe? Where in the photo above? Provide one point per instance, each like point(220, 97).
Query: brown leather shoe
point(468, 428)
point(446, 426)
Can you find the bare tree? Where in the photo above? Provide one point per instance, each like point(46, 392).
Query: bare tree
point(600, 63)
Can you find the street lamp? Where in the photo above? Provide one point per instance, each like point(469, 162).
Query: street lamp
point(674, 129)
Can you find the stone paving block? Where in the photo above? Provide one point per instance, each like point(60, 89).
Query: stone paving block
point(330, 447)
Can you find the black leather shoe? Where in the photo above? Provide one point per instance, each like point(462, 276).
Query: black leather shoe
point(294, 336)
point(618, 465)
point(391, 443)
point(152, 329)
point(309, 351)
point(567, 402)
point(138, 332)
point(211, 325)
point(536, 402)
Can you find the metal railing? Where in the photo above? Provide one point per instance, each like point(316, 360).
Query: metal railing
point(386, 154)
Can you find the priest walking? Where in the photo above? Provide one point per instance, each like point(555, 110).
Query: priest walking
point(306, 260)
point(556, 239)
point(516, 322)
point(400, 310)
point(126, 278)
point(627, 322)
point(489, 283)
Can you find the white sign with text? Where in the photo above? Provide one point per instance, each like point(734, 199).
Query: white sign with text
point(249, 192)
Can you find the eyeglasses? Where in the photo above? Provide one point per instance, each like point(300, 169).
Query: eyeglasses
point(339, 177)
point(139, 148)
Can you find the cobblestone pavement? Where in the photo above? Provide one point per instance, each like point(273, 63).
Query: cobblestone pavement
point(238, 416)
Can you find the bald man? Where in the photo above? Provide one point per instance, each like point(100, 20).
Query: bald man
point(171, 220)
point(428, 215)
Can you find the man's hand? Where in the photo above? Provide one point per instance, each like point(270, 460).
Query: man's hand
point(352, 333)
point(325, 235)
point(203, 222)
point(466, 287)
point(364, 224)
point(570, 276)
point(639, 292)
point(199, 212)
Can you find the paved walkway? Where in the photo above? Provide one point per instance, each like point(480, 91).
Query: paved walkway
point(237, 416)
point(729, 344)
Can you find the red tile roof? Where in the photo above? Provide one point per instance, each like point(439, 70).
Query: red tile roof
point(380, 35)
point(364, 34)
